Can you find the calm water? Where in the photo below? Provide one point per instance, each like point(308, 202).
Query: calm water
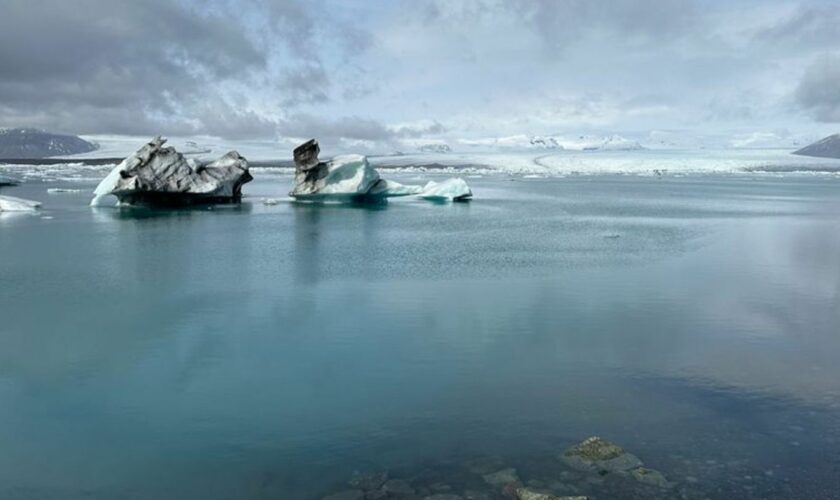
point(272, 351)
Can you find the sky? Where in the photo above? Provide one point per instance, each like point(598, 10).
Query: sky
point(395, 74)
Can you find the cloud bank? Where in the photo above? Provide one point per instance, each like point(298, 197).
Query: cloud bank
point(390, 73)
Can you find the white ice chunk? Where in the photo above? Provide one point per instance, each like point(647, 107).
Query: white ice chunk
point(12, 204)
point(454, 189)
point(63, 190)
point(388, 188)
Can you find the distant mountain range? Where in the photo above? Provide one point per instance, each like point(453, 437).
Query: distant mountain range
point(25, 143)
point(824, 148)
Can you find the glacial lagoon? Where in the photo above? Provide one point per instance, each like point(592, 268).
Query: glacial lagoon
point(291, 350)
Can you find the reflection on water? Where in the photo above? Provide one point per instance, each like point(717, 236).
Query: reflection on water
point(273, 351)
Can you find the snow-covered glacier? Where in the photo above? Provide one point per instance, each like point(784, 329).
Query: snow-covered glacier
point(558, 163)
point(524, 142)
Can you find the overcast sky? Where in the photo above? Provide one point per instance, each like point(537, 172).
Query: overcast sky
point(383, 72)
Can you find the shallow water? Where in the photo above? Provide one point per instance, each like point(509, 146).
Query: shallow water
point(272, 351)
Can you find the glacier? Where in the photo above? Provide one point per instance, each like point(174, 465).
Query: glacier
point(351, 178)
point(158, 175)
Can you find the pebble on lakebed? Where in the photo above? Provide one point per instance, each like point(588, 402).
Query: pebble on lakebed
point(593, 468)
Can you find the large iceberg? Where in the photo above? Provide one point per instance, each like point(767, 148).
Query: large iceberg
point(351, 178)
point(12, 204)
point(346, 177)
point(158, 175)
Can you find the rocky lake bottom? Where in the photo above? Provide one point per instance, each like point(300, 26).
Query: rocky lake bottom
point(427, 351)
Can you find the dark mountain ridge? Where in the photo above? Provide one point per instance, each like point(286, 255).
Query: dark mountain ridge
point(824, 148)
point(26, 143)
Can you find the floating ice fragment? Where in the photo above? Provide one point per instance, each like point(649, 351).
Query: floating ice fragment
point(454, 189)
point(12, 204)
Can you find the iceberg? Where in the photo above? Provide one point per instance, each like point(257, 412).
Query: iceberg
point(347, 176)
point(454, 189)
point(12, 204)
point(351, 178)
point(158, 175)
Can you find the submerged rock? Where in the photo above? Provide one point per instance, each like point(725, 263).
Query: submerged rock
point(485, 465)
point(598, 454)
point(375, 495)
point(398, 487)
point(346, 495)
point(351, 178)
point(650, 476)
point(369, 482)
point(476, 495)
point(502, 477)
point(529, 494)
point(12, 204)
point(158, 175)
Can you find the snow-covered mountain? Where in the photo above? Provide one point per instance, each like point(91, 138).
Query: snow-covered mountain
point(434, 148)
point(24, 143)
point(611, 143)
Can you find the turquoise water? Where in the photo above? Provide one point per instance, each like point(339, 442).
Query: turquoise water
point(274, 351)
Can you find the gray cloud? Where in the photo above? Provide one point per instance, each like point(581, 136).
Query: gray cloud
point(326, 129)
point(809, 25)
point(819, 90)
point(297, 68)
point(97, 66)
point(562, 22)
point(418, 130)
point(162, 66)
point(306, 83)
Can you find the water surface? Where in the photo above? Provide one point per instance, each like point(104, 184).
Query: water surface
point(272, 351)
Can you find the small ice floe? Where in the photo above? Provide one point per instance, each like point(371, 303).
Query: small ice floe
point(8, 181)
point(12, 204)
point(454, 189)
point(270, 201)
point(63, 190)
point(351, 178)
